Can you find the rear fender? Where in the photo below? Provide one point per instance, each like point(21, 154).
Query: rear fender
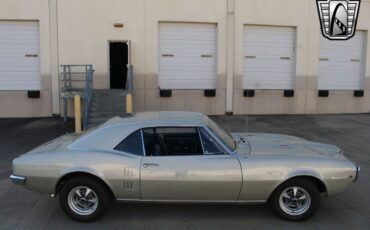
point(82, 171)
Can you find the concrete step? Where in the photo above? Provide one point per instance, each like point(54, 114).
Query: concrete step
point(89, 126)
point(108, 102)
point(116, 111)
point(113, 109)
point(98, 120)
point(106, 114)
point(108, 90)
point(108, 105)
point(105, 104)
point(95, 121)
point(108, 98)
point(117, 94)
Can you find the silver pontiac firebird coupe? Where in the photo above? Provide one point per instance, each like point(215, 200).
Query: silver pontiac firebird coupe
point(183, 157)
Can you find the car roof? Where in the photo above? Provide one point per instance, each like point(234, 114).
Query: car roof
point(162, 116)
point(116, 129)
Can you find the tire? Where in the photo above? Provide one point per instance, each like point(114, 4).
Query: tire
point(84, 199)
point(300, 206)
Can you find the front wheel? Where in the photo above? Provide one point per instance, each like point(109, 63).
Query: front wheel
point(84, 199)
point(296, 200)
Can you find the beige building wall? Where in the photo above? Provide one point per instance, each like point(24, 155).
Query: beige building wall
point(85, 28)
point(84, 36)
point(89, 31)
point(16, 103)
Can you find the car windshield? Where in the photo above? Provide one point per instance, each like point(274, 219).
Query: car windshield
point(224, 135)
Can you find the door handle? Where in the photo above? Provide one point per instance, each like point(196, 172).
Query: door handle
point(30, 55)
point(168, 55)
point(285, 58)
point(146, 165)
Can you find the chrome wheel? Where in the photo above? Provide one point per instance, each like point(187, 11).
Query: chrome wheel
point(83, 200)
point(294, 200)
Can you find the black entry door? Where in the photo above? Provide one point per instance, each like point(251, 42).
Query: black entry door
point(118, 59)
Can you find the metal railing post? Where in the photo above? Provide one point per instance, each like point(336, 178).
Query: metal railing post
point(85, 92)
point(64, 96)
point(77, 102)
point(129, 87)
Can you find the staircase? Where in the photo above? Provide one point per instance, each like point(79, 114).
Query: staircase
point(105, 104)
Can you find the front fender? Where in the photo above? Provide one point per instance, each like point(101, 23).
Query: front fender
point(304, 173)
point(262, 174)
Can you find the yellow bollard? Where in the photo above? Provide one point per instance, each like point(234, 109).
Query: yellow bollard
point(77, 102)
point(128, 103)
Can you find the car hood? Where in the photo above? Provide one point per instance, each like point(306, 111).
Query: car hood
point(267, 143)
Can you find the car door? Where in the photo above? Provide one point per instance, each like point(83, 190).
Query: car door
point(183, 164)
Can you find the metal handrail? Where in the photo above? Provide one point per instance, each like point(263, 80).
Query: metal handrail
point(87, 96)
point(129, 81)
point(129, 87)
point(69, 89)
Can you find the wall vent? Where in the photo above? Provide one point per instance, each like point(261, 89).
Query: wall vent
point(323, 93)
point(248, 93)
point(165, 93)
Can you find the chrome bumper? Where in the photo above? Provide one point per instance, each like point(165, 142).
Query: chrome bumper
point(21, 180)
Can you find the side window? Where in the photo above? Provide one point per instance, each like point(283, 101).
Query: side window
point(208, 144)
point(172, 141)
point(132, 144)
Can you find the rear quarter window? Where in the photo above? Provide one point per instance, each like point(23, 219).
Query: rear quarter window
point(132, 144)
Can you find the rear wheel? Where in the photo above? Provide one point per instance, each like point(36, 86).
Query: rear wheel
point(296, 199)
point(84, 199)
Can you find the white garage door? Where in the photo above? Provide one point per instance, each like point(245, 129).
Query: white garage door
point(19, 55)
point(187, 56)
point(268, 57)
point(342, 63)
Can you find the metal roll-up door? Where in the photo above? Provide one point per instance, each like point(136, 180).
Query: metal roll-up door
point(341, 63)
point(268, 57)
point(187, 56)
point(19, 55)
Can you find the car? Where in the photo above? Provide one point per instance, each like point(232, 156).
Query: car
point(183, 157)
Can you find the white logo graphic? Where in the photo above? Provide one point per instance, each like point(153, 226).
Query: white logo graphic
point(338, 18)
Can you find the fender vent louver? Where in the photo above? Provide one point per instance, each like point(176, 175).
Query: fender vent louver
point(127, 185)
point(127, 171)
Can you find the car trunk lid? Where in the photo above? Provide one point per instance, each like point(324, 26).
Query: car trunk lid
point(58, 143)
